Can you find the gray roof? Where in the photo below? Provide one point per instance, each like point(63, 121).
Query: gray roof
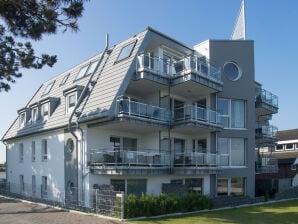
point(285, 135)
point(109, 81)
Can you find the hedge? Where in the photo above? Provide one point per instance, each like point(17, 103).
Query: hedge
point(151, 205)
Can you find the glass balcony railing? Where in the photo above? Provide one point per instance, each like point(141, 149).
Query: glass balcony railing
point(137, 109)
point(267, 165)
point(188, 158)
point(110, 157)
point(267, 97)
point(188, 64)
point(266, 131)
point(190, 112)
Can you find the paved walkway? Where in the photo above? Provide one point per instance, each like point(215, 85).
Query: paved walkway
point(19, 212)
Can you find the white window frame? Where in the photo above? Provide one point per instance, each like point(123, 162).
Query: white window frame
point(44, 150)
point(23, 119)
point(33, 151)
point(280, 150)
point(34, 114)
point(68, 108)
point(289, 149)
point(44, 115)
point(21, 152)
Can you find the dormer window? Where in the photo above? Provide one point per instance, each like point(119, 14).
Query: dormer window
point(45, 111)
point(48, 88)
point(71, 101)
point(22, 119)
point(34, 114)
point(126, 51)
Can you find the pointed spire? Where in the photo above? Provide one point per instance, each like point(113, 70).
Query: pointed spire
point(239, 27)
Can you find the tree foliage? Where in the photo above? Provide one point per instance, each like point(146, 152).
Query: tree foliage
point(31, 20)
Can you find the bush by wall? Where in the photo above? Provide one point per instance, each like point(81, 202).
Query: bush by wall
point(150, 205)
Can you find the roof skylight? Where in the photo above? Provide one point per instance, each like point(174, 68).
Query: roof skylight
point(92, 67)
point(126, 51)
point(63, 81)
point(82, 72)
point(48, 88)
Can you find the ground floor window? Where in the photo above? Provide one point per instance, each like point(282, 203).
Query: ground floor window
point(234, 186)
point(194, 185)
point(130, 186)
point(136, 186)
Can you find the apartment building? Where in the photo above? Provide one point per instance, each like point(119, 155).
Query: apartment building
point(144, 116)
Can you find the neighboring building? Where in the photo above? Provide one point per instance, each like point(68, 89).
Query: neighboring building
point(145, 115)
point(282, 157)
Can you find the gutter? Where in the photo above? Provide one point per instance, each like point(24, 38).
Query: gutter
point(77, 122)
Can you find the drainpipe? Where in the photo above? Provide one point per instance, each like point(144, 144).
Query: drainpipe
point(6, 170)
point(79, 102)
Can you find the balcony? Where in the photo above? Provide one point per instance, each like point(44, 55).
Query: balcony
point(266, 134)
point(266, 103)
point(192, 72)
point(195, 116)
point(128, 108)
point(267, 165)
point(189, 162)
point(118, 162)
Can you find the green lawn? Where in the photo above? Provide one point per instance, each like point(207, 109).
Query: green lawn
point(276, 213)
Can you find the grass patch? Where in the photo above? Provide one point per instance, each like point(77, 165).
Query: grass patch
point(285, 212)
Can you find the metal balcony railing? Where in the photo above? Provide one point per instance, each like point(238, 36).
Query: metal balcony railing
point(266, 131)
point(265, 96)
point(267, 165)
point(128, 158)
point(190, 112)
point(166, 68)
point(137, 109)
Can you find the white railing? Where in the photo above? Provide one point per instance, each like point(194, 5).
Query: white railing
point(168, 68)
point(128, 158)
point(190, 112)
point(134, 108)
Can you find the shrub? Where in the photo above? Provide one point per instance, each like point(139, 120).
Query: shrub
point(150, 205)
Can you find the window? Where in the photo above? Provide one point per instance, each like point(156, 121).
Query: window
point(33, 151)
point(22, 119)
point(45, 111)
point(231, 186)
point(222, 186)
point(166, 64)
point(33, 185)
point(34, 114)
point(22, 184)
point(92, 68)
point(232, 71)
point(48, 88)
point(194, 185)
point(119, 185)
point(21, 152)
point(82, 72)
point(279, 147)
point(232, 151)
point(126, 51)
point(44, 150)
point(232, 113)
point(71, 101)
point(44, 186)
point(70, 188)
point(293, 167)
point(130, 144)
point(237, 186)
point(177, 181)
point(63, 81)
point(136, 186)
point(289, 146)
point(69, 145)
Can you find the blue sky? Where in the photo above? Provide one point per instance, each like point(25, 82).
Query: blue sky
point(272, 24)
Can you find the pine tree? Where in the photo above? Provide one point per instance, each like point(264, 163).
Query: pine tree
point(31, 19)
